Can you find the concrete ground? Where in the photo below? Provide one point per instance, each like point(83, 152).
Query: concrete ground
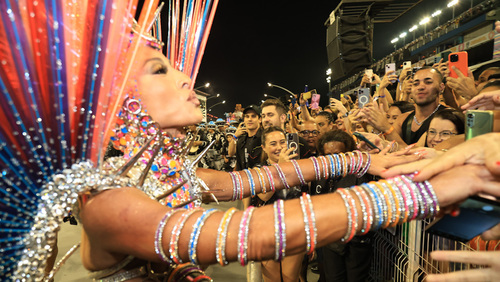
point(73, 271)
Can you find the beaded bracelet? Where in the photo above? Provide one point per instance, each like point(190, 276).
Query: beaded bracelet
point(261, 180)
point(428, 206)
point(235, 186)
point(174, 239)
point(195, 235)
point(309, 222)
point(410, 196)
point(313, 221)
point(378, 213)
point(220, 248)
point(299, 172)
point(343, 159)
point(332, 166)
point(419, 205)
point(357, 164)
point(353, 160)
point(240, 180)
point(279, 230)
point(396, 212)
point(367, 165)
point(159, 236)
point(404, 201)
point(352, 214)
point(388, 202)
point(251, 182)
point(366, 209)
point(316, 168)
point(243, 235)
point(432, 193)
point(270, 178)
point(324, 163)
point(282, 176)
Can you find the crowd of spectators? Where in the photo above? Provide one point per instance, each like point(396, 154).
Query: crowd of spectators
point(418, 111)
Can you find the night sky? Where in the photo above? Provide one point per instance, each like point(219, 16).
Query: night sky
point(284, 42)
point(255, 42)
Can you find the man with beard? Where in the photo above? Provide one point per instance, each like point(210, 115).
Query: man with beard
point(410, 126)
point(274, 114)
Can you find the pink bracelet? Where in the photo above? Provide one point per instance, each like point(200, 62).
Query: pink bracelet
point(270, 177)
point(243, 235)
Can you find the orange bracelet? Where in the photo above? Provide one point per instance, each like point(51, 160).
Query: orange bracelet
point(389, 131)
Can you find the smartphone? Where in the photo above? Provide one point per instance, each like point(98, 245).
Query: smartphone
point(292, 141)
point(437, 59)
point(477, 214)
point(390, 67)
point(481, 122)
point(444, 56)
point(306, 95)
point(315, 101)
point(460, 61)
point(368, 142)
point(363, 97)
point(407, 65)
point(369, 73)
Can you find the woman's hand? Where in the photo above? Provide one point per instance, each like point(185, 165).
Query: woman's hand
point(488, 258)
point(286, 155)
point(481, 150)
point(382, 162)
point(485, 101)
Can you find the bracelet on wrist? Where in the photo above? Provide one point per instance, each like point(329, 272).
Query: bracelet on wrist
point(389, 131)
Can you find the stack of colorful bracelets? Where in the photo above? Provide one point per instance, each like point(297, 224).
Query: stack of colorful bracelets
point(382, 204)
point(337, 165)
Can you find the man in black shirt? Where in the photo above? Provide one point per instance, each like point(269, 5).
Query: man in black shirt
point(410, 126)
point(247, 148)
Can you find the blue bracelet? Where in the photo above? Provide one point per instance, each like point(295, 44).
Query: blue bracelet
point(250, 180)
point(195, 234)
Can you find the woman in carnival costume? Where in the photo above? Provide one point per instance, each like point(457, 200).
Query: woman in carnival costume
point(62, 89)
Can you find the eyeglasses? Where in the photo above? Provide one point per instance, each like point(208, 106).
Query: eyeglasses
point(305, 133)
point(445, 134)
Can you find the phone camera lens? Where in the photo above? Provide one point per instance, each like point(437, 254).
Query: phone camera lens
point(454, 58)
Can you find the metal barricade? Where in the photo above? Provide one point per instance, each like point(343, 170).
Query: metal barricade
point(403, 253)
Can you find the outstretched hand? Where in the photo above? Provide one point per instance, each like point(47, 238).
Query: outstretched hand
point(488, 258)
point(481, 150)
point(485, 101)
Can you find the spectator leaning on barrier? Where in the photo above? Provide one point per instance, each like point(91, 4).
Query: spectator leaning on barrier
point(409, 127)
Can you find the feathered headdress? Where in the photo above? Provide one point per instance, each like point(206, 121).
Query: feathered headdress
point(63, 70)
